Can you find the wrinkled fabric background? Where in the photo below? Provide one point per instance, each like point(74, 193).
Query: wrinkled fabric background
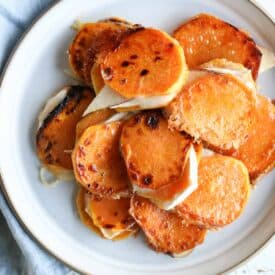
point(18, 253)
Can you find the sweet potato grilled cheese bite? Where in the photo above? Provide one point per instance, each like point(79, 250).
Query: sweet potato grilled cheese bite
point(216, 108)
point(56, 134)
point(222, 193)
point(91, 40)
point(97, 163)
point(206, 37)
point(165, 231)
point(158, 160)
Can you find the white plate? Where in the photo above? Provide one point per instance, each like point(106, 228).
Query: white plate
point(35, 72)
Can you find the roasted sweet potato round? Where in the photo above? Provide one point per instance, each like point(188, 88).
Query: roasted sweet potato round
point(98, 165)
point(147, 62)
point(222, 193)
point(111, 216)
point(154, 155)
point(165, 231)
point(216, 108)
point(56, 135)
point(205, 37)
point(91, 40)
point(84, 217)
point(258, 151)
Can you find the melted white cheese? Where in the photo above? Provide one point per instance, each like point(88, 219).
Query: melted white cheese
point(51, 104)
point(224, 66)
point(267, 61)
point(49, 177)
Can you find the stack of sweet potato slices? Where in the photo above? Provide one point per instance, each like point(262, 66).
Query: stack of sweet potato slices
point(148, 169)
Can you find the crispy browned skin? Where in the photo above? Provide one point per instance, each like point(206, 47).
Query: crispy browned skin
point(96, 117)
point(222, 193)
point(147, 62)
point(165, 230)
point(216, 108)
point(206, 37)
point(97, 162)
point(94, 39)
point(154, 155)
point(57, 133)
point(258, 151)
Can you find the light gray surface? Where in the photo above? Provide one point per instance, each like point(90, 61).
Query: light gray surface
point(14, 17)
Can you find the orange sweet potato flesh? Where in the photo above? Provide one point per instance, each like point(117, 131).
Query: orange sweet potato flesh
point(146, 63)
point(258, 151)
point(97, 163)
point(206, 37)
point(154, 155)
point(216, 108)
point(57, 132)
point(84, 217)
point(96, 117)
point(165, 231)
point(110, 213)
point(222, 193)
point(92, 40)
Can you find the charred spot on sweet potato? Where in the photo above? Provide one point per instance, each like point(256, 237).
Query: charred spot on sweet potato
point(57, 132)
point(93, 42)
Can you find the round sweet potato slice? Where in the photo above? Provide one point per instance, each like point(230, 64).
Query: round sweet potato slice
point(216, 108)
point(98, 165)
point(205, 37)
point(148, 62)
point(165, 231)
point(154, 155)
point(222, 193)
point(84, 217)
point(56, 135)
point(111, 216)
point(94, 118)
point(258, 151)
point(91, 40)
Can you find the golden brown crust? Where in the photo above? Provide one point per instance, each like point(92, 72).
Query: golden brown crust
point(92, 40)
point(222, 193)
point(164, 230)
point(147, 62)
point(205, 37)
point(216, 108)
point(154, 155)
point(57, 132)
point(97, 163)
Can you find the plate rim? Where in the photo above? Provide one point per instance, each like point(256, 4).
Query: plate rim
point(25, 228)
